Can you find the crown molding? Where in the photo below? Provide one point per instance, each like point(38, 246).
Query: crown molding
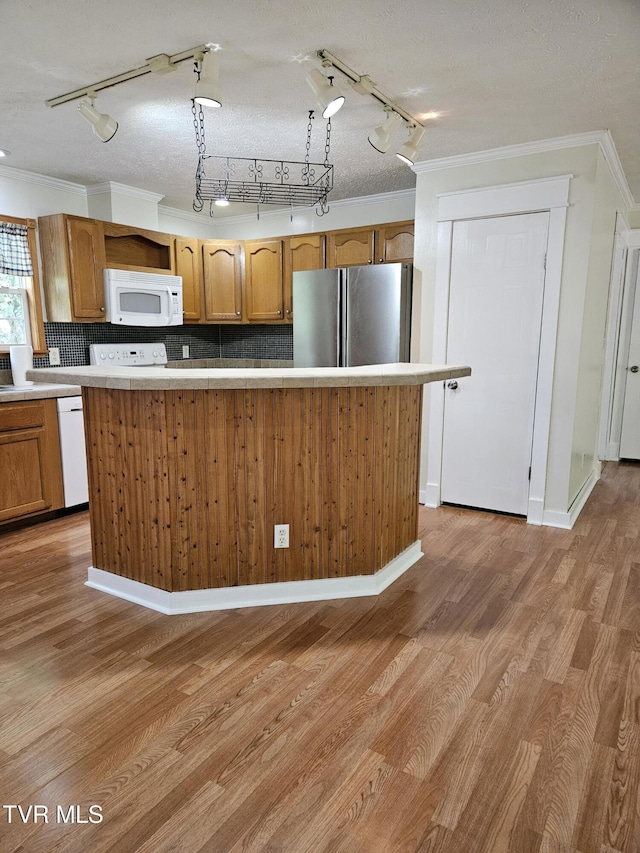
point(189, 215)
point(123, 189)
point(42, 180)
point(601, 138)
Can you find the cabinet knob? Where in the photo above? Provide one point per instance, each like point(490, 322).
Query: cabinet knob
point(288, 310)
point(279, 311)
point(369, 261)
point(238, 313)
point(381, 260)
point(102, 309)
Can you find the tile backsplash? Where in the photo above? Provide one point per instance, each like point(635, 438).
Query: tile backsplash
point(255, 341)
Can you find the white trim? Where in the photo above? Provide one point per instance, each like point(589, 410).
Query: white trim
point(188, 215)
point(42, 180)
point(633, 238)
point(253, 595)
point(566, 520)
point(123, 189)
point(520, 197)
point(502, 199)
point(614, 316)
point(431, 495)
point(602, 138)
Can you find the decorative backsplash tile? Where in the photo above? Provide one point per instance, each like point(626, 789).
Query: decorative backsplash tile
point(259, 341)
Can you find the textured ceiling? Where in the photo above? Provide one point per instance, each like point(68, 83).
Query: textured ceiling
point(499, 72)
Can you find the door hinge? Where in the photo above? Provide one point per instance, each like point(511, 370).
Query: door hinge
point(529, 472)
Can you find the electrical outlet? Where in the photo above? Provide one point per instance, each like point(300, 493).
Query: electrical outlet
point(54, 356)
point(281, 536)
point(185, 351)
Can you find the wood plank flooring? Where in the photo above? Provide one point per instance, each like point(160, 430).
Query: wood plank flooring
point(487, 702)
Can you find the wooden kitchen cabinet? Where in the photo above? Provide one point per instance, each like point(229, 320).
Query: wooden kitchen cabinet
point(72, 250)
point(383, 244)
point(222, 264)
point(263, 281)
point(394, 243)
point(302, 252)
point(29, 459)
point(350, 247)
point(189, 266)
point(129, 248)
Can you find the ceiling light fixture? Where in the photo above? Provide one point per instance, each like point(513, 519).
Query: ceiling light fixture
point(207, 90)
point(329, 99)
point(381, 137)
point(103, 125)
point(409, 151)
point(4, 152)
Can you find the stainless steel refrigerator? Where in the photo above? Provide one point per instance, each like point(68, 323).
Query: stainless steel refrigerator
point(352, 316)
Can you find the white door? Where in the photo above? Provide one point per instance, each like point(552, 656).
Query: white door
point(630, 435)
point(495, 316)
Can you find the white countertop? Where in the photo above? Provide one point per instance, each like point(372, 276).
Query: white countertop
point(158, 378)
point(37, 391)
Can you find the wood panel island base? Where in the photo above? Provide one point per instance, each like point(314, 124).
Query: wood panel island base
point(190, 470)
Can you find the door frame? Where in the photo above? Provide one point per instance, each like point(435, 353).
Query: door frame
point(537, 196)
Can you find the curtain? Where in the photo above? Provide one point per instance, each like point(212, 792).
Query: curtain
point(15, 258)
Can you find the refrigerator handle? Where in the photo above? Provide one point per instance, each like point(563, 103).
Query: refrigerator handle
point(343, 355)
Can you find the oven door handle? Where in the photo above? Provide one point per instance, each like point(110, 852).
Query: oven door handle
point(170, 295)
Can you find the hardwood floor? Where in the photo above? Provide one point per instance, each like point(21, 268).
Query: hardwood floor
point(488, 701)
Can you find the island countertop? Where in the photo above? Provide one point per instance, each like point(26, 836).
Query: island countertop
point(168, 379)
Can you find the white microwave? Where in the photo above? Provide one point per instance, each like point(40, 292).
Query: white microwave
point(142, 298)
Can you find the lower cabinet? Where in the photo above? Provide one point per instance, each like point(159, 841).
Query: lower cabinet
point(31, 480)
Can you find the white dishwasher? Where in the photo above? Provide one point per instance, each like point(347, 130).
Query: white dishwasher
point(72, 451)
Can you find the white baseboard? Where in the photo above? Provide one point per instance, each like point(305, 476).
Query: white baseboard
point(228, 598)
point(431, 495)
point(612, 452)
point(535, 511)
point(566, 520)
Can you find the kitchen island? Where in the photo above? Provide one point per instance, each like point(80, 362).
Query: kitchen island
point(190, 471)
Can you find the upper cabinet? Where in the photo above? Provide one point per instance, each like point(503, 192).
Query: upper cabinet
point(129, 248)
point(189, 266)
point(302, 252)
point(383, 244)
point(350, 248)
point(394, 243)
point(222, 277)
point(72, 250)
point(264, 301)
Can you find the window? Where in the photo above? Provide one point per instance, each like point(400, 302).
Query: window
point(20, 308)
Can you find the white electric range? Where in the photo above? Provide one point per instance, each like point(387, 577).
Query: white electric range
point(128, 355)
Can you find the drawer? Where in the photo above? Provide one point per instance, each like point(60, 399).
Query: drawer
point(21, 415)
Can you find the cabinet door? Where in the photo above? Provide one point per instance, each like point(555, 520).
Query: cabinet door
point(303, 252)
point(29, 459)
point(394, 243)
point(350, 248)
point(189, 267)
point(222, 272)
point(86, 263)
point(263, 281)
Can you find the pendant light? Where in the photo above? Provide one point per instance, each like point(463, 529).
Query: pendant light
point(329, 99)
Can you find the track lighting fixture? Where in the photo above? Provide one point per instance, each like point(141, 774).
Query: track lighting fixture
point(207, 91)
point(103, 125)
point(381, 137)
point(329, 99)
point(409, 151)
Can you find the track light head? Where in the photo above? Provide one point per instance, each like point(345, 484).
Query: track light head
point(409, 151)
point(207, 91)
point(103, 125)
point(329, 99)
point(381, 137)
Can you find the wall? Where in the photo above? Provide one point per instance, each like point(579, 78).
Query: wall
point(634, 218)
point(571, 372)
